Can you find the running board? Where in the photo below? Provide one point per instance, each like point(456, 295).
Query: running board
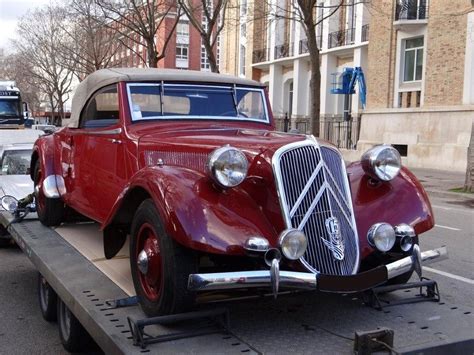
point(372, 298)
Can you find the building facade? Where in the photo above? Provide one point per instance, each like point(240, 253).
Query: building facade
point(421, 81)
point(266, 45)
point(184, 51)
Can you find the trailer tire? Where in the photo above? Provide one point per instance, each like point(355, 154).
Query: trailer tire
point(48, 300)
point(159, 292)
point(50, 210)
point(71, 332)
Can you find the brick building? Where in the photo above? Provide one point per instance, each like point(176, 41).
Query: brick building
point(184, 51)
point(421, 81)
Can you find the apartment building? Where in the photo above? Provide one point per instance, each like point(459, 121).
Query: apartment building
point(262, 43)
point(421, 81)
point(184, 51)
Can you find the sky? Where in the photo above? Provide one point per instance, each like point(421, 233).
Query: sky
point(10, 12)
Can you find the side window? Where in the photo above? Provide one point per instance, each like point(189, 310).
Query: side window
point(102, 110)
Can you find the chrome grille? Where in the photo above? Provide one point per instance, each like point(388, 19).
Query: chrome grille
point(314, 192)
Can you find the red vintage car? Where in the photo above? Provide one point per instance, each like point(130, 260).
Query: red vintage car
point(190, 166)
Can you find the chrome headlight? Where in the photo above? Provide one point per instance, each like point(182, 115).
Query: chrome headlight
point(382, 162)
point(406, 234)
point(293, 243)
point(227, 166)
point(381, 236)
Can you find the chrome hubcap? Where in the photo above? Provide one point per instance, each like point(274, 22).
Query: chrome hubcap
point(142, 262)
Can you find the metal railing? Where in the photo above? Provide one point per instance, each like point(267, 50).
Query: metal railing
point(261, 55)
point(284, 50)
point(365, 33)
point(341, 38)
point(410, 10)
point(304, 48)
point(343, 134)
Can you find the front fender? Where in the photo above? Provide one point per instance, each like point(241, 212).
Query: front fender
point(198, 214)
point(402, 200)
point(44, 151)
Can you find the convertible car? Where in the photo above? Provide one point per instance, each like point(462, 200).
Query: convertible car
point(190, 166)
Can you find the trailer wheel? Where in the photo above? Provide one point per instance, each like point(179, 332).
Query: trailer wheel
point(50, 210)
point(72, 334)
point(160, 267)
point(48, 300)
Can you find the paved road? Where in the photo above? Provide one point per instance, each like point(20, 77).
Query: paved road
point(22, 330)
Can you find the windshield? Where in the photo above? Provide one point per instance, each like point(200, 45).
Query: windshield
point(16, 162)
point(9, 107)
point(181, 101)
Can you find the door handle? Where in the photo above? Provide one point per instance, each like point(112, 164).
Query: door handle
point(116, 141)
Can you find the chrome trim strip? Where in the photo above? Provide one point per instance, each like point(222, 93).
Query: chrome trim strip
point(306, 188)
point(106, 132)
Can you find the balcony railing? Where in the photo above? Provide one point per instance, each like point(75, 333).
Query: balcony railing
point(304, 48)
point(365, 33)
point(261, 55)
point(341, 38)
point(411, 10)
point(284, 51)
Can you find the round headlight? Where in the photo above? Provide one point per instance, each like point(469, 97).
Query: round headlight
point(9, 203)
point(381, 236)
point(227, 166)
point(293, 243)
point(382, 162)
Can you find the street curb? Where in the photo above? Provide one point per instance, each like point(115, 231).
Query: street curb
point(449, 194)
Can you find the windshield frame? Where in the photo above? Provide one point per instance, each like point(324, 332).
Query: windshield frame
point(229, 86)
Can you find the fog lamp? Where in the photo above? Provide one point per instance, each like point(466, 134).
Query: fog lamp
point(381, 236)
point(227, 166)
point(293, 243)
point(382, 162)
point(406, 234)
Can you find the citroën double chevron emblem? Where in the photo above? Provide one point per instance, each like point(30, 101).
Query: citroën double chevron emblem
point(335, 242)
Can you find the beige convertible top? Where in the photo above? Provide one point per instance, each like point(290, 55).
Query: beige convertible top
point(104, 77)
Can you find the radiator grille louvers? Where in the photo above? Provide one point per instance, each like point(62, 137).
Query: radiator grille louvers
point(314, 192)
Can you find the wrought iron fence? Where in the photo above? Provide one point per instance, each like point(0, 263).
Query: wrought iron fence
point(365, 33)
point(304, 48)
point(411, 10)
point(284, 50)
point(343, 134)
point(261, 55)
point(341, 38)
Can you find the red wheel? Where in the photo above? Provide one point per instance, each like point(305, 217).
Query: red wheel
point(149, 262)
point(160, 267)
point(50, 210)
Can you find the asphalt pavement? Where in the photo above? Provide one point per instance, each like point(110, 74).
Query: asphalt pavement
point(23, 330)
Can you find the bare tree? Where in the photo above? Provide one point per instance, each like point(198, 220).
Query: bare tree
point(90, 45)
point(469, 180)
point(207, 17)
point(138, 23)
point(41, 38)
point(306, 13)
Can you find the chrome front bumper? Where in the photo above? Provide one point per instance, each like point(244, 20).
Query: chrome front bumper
point(301, 280)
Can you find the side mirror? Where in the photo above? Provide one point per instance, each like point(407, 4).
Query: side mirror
point(25, 110)
point(9, 203)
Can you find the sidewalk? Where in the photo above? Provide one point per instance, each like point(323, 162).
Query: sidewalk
point(439, 182)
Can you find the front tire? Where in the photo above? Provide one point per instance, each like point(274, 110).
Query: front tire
point(50, 210)
point(160, 267)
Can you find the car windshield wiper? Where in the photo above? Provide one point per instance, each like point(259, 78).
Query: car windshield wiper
point(234, 99)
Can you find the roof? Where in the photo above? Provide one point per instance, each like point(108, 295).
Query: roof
point(104, 77)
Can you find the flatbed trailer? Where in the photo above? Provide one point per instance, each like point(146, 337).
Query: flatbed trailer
point(296, 323)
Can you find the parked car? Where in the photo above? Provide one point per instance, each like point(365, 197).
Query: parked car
point(189, 164)
point(14, 176)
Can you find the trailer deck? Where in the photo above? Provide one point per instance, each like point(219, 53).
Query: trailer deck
point(299, 323)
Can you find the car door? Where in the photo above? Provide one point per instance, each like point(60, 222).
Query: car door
point(97, 167)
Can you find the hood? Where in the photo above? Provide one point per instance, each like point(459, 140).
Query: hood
point(189, 144)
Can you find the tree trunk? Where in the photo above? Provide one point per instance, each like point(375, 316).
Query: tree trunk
point(210, 56)
point(315, 83)
point(152, 57)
